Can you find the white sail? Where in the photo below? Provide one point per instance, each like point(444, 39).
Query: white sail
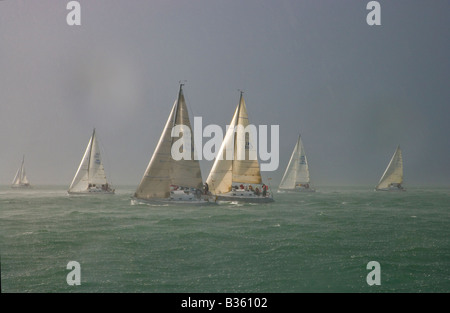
point(245, 166)
point(20, 179)
point(24, 177)
point(90, 175)
point(297, 171)
point(220, 177)
point(236, 161)
point(163, 171)
point(393, 175)
point(16, 180)
point(235, 174)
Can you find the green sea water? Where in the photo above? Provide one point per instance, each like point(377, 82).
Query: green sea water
point(315, 242)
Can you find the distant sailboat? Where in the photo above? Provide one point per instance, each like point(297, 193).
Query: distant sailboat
point(392, 178)
point(21, 180)
point(238, 178)
point(296, 177)
point(90, 177)
point(169, 180)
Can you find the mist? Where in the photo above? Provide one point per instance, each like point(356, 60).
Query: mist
point(315, 68)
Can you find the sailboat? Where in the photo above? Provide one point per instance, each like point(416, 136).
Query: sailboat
point(296, 177)
point(235, 174)
point(167, 180)
point(21, 180)
point(392, 178)
point(90, 177)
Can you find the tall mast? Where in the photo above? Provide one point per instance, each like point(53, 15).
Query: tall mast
point(178, 103)
point(237, 123)
point(90, 152)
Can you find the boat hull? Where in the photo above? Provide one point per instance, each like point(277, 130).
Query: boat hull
point(26, 186)
point(245, 199)
point(244, 196)
point(391, 189)
point(204, 200)
point(296, 190)
point(91, 192)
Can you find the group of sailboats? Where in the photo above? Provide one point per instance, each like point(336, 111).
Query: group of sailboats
point(296, 177)
point(180, 181)
point(90, 177)
point(234, 179)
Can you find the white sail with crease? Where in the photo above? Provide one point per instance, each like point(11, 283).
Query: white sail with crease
point(163, 172)
point(20, 179)
point(297, 175)
point(90, 176)
point(393, 175)
point(236, 163)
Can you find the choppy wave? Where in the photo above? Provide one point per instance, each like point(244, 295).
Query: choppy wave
point(315, 242)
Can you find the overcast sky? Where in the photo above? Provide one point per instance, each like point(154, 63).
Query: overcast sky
point(353, 91)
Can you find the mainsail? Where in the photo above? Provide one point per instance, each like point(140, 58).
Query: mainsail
point(393, 175)
point(162, 170)
point(91, 172)
point(236, 161)
point(297, 171)
point(21, 180)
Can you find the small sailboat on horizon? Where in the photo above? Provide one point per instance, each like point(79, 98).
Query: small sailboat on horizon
point(238, 178)
point(167, 180)
point(90, 177)
point(392, 178)
point(20, 179)
point(296, 177)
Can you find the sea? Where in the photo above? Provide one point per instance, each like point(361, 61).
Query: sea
point(336, 240)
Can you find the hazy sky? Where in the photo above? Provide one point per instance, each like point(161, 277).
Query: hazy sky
point(353, 91)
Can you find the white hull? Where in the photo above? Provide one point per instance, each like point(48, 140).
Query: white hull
point(391, 189)
point(204, 200)
point(296, 190)
point(92, 191)
point(185, 196)
point(23, 186)
point(244, 196)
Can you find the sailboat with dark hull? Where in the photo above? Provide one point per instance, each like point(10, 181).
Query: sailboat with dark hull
point(235, 175)
point(90, 177)
point(392, 178)
point(167, 180)
point(20, 179)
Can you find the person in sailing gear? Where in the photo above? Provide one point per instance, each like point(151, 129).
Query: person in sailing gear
point(264, 188)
